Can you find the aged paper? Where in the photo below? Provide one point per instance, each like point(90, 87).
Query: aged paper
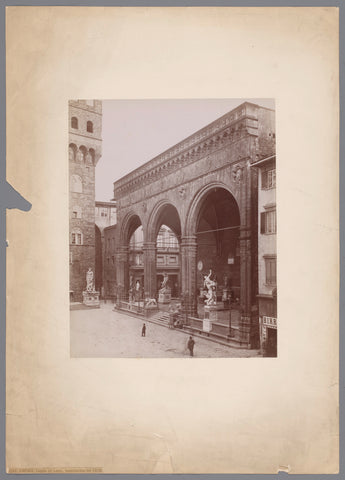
point(234, 415)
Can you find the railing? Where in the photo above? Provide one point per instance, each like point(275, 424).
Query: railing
point(131, 307)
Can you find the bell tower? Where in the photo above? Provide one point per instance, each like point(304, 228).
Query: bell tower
point(85, 149)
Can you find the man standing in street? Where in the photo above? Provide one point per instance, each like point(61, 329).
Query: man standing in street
point(190, 346)
point(143, 331)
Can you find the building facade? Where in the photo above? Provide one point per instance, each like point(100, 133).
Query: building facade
point(267, 255)
point(85, 150)
point(105, 216)
point(204, 190)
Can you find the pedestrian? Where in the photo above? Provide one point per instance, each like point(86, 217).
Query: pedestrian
point(143, 331)
point(190, 346)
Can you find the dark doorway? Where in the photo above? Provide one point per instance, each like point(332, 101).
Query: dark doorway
point(271, 342)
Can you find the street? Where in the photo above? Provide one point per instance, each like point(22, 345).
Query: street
point(105, 333)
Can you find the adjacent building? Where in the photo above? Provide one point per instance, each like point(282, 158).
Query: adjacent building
point(267, 255)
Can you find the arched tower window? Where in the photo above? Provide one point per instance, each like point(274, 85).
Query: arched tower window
point(92, 156)
point(72, 152)
point(89, 126)
point(82, 155)
point(76, 184)
point(74, 122)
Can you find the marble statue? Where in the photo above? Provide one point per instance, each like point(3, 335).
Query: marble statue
point(89, 281)
point(164, 286)
point(210, 284)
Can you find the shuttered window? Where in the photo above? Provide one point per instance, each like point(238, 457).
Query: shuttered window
point(268, 222)
point(271, 270)
point(268, 179)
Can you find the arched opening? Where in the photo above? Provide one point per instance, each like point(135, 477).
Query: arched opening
point(91, 156)
point(74, 122)
point(168, 260)
point(89, 126)
point(72, 152)
point(166, 234)
point(83, 152)
point(217, 226)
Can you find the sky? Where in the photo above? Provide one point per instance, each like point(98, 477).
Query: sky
point(135, 131)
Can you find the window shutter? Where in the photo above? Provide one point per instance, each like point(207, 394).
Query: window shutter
point(264, 175)
point(262, 222)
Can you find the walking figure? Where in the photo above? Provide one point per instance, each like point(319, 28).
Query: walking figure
point(143, 331)
point(190, 346)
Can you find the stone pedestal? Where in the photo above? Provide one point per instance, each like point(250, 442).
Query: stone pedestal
point(164, 297)
point(210, 315)
point(206, 325)
point(91, 299)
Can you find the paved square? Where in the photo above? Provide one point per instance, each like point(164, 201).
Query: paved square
point(106, 333)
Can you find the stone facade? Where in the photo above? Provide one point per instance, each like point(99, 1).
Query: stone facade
point(176, 184)
point(85, 149)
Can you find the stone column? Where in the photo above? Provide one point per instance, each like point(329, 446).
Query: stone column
point(150, 277)
point(249, 324)
point(122, 267)
point(188, 270)
point(245, 255)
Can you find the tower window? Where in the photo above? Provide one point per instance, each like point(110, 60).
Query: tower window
point(74, 122)
point(89, 126)
point(76, 238)
point(76, 212)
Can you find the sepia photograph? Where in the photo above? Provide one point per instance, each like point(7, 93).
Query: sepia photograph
point(182, 167)
point(172, 214)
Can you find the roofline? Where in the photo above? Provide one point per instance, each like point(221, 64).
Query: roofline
point(133, 172)
point(262, 161)
point(108, 204)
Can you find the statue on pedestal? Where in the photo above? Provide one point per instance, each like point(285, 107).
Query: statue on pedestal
point(164, 285)
point(90, 296)
point(210, 284)
point(89, 281)
point(137, 291)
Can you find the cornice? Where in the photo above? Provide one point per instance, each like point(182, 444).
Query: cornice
point(226, 130)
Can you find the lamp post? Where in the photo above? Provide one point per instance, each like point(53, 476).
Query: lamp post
point(230, 329)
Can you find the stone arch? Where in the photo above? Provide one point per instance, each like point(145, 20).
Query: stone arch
point(92, 155)
point(212, 241)
point(159, 216)
point(197, 203)
point(89, 126)
point(83, 151)
point(128, 226)
point(74, 122)
point(72, 151)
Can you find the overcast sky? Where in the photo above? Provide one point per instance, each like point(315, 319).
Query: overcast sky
point(135, 131)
